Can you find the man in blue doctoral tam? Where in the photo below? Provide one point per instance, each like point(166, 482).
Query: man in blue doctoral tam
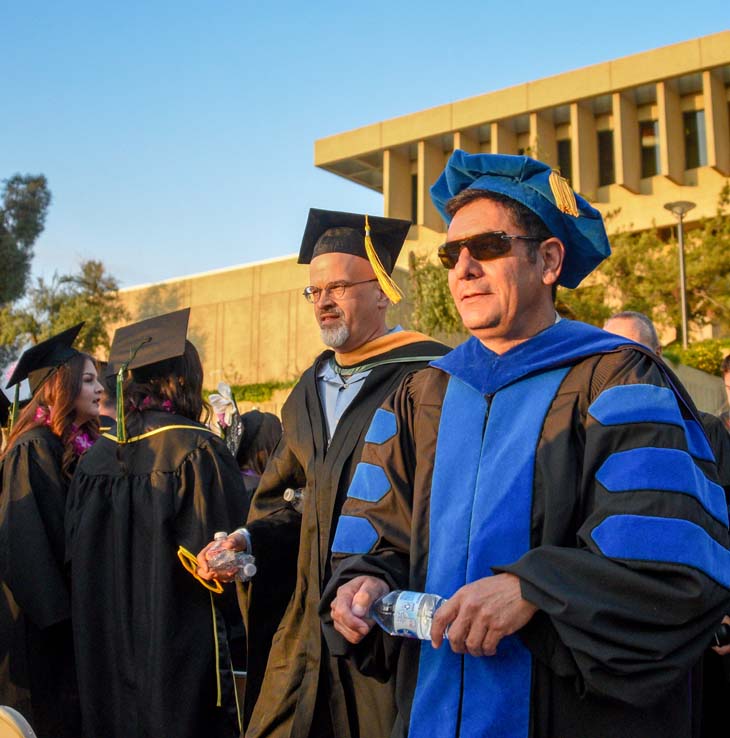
point(551, 480)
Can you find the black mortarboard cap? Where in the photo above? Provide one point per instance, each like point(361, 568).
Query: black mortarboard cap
point(149, 341)
point(40, 360)
point(330, 231)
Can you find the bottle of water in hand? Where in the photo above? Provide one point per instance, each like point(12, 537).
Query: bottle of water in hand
point(406, 614)
point(294, 498)
point(223, 559)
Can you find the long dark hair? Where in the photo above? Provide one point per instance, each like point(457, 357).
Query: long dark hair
point(55, 399)
point(174, 384)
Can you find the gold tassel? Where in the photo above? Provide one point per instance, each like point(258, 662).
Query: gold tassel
point(391, 289)
point(121, 424)
point(563, 194)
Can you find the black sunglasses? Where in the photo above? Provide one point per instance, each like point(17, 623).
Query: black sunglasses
point(483, 246)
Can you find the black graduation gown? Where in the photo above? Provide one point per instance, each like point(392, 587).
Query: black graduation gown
point(615, 640)
point(150, 647)
point(292, 553)
point(36, 638)
point(716, 671)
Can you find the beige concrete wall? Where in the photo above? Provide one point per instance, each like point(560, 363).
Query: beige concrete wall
point(584, 150)
point(626, 141)
point(430, 164)
point(716, 121)
point(250, 323)
point(396, 184)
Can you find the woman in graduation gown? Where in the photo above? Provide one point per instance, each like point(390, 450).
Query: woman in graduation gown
point(54, 429)
point(151, 651)
point(261, 434)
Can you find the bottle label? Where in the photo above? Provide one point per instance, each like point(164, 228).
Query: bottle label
point(405, 617)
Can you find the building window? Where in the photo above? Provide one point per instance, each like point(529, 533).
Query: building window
point(565, 159)
point(414, 198)
point(649, 139)
point(695, 142)
point(606, 172)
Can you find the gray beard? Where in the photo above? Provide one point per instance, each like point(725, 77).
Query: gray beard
point(334, 336)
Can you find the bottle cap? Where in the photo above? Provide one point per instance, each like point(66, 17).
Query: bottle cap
point(220, 535)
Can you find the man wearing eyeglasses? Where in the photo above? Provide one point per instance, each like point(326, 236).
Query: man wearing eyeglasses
point(301, 690)
point(546, 478)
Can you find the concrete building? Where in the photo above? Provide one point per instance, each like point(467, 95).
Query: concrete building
point(630, 134)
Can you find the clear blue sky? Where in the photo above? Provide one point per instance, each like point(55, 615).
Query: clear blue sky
point(177, 137)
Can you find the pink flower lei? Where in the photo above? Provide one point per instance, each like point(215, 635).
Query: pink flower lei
point(147, 404)
point(81, 441)
point(43, 415)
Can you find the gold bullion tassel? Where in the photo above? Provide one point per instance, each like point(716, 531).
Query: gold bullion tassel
point(391, 289)
point(563, 194)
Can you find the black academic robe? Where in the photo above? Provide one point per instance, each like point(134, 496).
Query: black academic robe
point(302, 681)
point(150, 647)
point(36, 638)
point(719, 438)
point(716, 671)
point(600, 472)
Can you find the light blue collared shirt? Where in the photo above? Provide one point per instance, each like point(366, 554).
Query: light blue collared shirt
point(336, 393)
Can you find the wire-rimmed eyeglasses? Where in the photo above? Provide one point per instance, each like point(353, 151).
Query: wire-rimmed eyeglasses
point(335, 289)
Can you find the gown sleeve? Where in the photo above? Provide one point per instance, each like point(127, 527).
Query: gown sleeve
point(273, 523)
point(275, 531)
point(210, 495)
point(629, 605)
point(31, 531)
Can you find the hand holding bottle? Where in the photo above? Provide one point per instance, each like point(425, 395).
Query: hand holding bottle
point(227, 562)
point(233, 543)
point(481, 613)
point(352, 604)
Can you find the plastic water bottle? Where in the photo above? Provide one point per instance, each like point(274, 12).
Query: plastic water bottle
point(406, 614)
point(295, 498)
point(223, 559)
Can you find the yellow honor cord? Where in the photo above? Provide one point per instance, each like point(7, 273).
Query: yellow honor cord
point(219, 700)
point(386, 282)
point(190, 564)
point(563, 194)
point(156, 431)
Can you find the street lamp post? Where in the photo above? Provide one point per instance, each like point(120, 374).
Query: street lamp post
point(680, 208)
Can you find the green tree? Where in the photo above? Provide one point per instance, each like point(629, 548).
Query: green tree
point(434, 311)
point(25, 201)
point(91, 295)
point(642, 274)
